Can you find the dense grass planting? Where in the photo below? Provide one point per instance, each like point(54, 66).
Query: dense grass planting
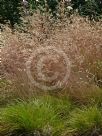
point(42, 116)
point(72, 110)
point(46, 116)
point(50, 67)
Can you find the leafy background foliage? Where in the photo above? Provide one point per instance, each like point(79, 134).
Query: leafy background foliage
point(10, 10)
point(90, 8)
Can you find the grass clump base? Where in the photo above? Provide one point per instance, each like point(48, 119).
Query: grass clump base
point(37, 117)
point(86, 121)
point(50, 116)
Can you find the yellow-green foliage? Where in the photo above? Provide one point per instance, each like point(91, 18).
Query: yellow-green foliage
point(85, 120)
point(41, 115)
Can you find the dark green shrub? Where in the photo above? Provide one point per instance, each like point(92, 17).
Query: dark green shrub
point(44, 6)
point(90, 8)
point(10, 11)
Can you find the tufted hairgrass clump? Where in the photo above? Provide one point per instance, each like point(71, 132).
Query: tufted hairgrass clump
point(36, 116)
point(85, 121)
point(61, 105)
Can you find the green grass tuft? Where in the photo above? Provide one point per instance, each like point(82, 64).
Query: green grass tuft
point(40, 115)
point(86, 120)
